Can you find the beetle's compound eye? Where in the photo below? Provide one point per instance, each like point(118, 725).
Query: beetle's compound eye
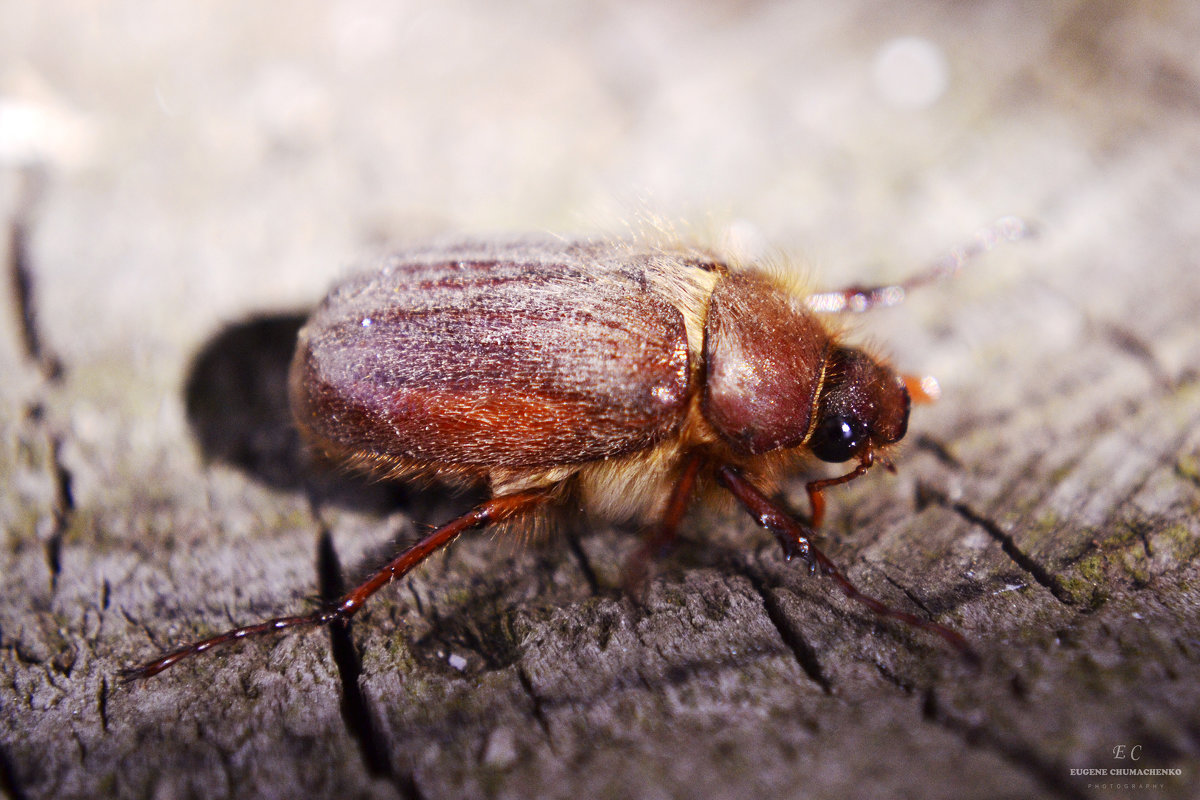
point(838, 437)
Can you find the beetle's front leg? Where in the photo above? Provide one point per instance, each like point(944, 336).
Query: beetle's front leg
point(796, 539)
point(816, 489)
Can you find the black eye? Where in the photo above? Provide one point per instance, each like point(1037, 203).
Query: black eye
point(837, 438)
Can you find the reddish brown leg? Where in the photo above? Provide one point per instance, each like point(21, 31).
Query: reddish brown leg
point(494, 510)
point(659, 542)
point(796, 540)
point(816, 489)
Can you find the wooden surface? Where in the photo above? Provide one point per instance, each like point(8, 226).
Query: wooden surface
point(180, 184)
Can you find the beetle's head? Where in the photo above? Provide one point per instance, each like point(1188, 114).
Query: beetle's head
point(863, 406)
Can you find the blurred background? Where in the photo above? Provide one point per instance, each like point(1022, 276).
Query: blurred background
point(199, 159)
point(171, 172)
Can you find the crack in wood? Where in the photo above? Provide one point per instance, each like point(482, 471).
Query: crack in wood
point(802, 651)
point(1024, 757)
point(9, 786)
point(1127, 341)
point(64, 493)
point(62, 509)
point(539, 712)
point(1042, 576)
point(418, 603)
point(53, 553)
point(585, 564)
point(912, 598)
point(940, 450)
point(145, 628)
point(355, 708)
point(356, 714)
point(102, 703)
point(894, 679)
point(20, 280)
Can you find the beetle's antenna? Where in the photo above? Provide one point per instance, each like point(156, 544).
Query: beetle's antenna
point(865, 298)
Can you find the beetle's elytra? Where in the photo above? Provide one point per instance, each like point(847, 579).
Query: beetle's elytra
point(626, 378)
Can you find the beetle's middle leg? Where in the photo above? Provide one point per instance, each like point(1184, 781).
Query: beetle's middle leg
point(496, 509)
point(661, 538)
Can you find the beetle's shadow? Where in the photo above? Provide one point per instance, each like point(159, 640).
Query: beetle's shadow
point(236, 401)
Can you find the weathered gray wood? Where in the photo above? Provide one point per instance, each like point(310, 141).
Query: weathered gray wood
point(206, 178)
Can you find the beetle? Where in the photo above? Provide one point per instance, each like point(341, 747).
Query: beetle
point(622, 376)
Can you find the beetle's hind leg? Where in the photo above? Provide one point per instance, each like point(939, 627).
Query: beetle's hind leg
point(497, 509)
point(659, 541)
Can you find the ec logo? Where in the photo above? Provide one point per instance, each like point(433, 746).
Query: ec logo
point(1124, 751)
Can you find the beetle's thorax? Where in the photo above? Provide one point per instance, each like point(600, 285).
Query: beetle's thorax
point(765, 356)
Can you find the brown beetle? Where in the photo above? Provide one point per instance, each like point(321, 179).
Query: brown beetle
point(620, 376)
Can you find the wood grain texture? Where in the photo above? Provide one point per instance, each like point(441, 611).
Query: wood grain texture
point(209, 175)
